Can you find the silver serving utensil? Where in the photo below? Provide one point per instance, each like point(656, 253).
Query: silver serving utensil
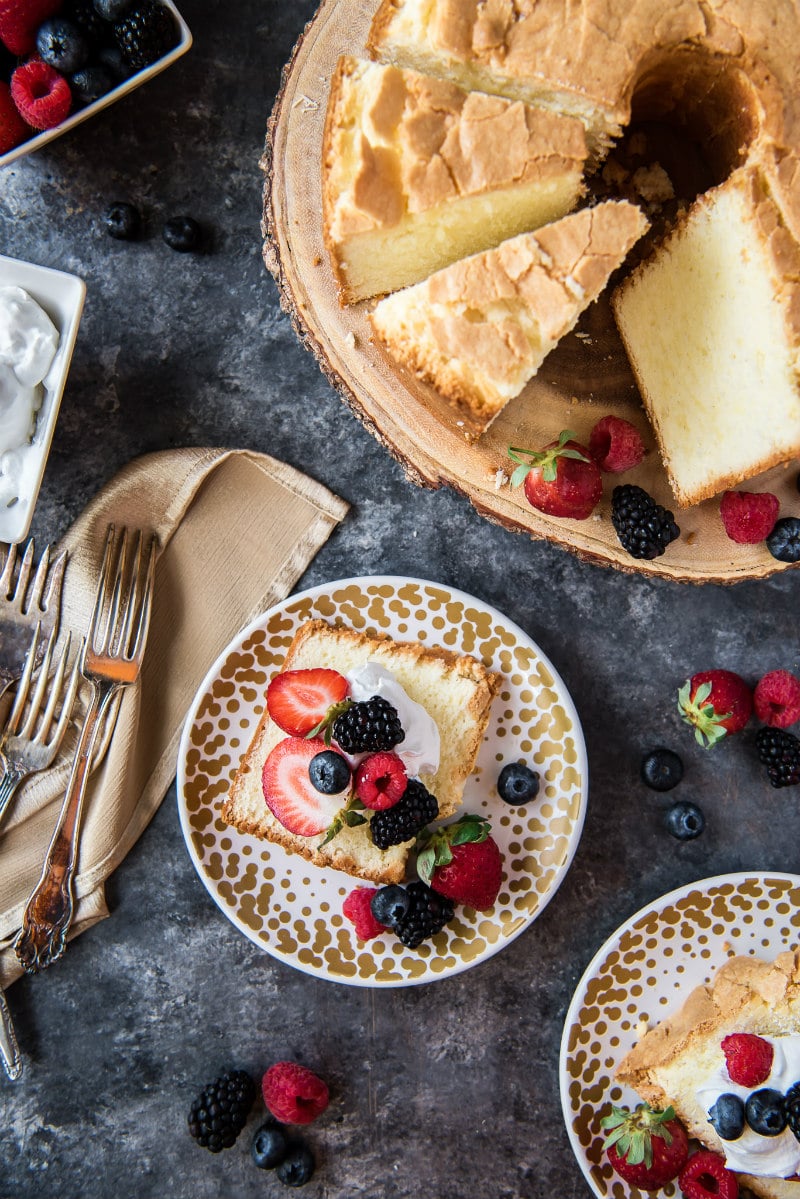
point(24, 603)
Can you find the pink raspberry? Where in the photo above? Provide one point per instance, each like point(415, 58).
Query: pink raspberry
point(777, 699)
point(705, 1176)
point(293, 1093)
point(357, 909)
point(748, 1058)
point(749, 516)
point(616, 445)
point(41, 94)
point(381, 780)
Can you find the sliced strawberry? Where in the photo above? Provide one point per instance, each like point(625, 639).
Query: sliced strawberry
point(289, 792)
point(298, 700)
point(561, 480)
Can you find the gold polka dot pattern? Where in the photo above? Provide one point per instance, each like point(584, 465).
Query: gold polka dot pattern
point(293, 910)
point(643, 973)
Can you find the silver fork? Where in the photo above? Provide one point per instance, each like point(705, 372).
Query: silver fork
point(111, 659)
point(24, 604)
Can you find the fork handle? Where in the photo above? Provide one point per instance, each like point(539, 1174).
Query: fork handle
point(48, 913)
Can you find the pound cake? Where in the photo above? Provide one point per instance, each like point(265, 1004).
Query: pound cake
point(455, 692)
point(417, 173)
point(682, 1062)
point(480, 329)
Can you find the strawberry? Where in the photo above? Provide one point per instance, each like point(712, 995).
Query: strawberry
point(19, 21)
point(561, 480)
point(748, 1058)
point(13, 129)
point(705, 1176)
point(462, 862)
point(289, 792)
point(381, 781)
point(777, 699)
point(647, 1148)
point(298, 700)
point(616, 445)
point(716, 703)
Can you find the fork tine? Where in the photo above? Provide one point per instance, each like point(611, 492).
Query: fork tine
point(42, 683)
point(102, 585)
point(23, 686)
point(54, 581)
point(7, 576)
point(147, 602)
point(69, 698)
point(133, 599)
point(114, 626)
point(67, 702)
point(33, 598)
point(24, 574)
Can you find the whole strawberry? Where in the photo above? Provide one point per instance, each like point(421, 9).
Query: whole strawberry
point(561, 480)
point(462, 861)
point(647, 1148)
point(715, 703)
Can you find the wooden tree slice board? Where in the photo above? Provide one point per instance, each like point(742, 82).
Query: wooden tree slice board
point(585, 377)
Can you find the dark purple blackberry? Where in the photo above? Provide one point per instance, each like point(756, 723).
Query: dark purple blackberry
point(412, 812)
point(779, 751)
point(792, 1101)
point(644, 528)
point(368, 726)
point(146, 33)
point(428, 913)
point(86, 16)
point(220, 1112)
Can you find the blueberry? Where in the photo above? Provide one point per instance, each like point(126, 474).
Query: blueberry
point(90, 83)
point(270, 1146)
point(62, 44)
point(297, 1167)
point(517, 784)
point(112, 10)
point(661, 769)
point(389, 905)
point(111, 58)
point(123, 221)
point(784, 540)
point(727, 1117)
point(182, 233)
point(765, 1111)
point(685, 821)
point(329, 772)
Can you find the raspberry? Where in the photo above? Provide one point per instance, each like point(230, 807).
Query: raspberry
point(293, 1093)
point(380, 781)
point(748, 1058)
point(705, 1177)
point(357, 908)
point(616, 445)
point(19, 20)
point(41, 95)
point(777, 699)
point(780, 753)
point(749, 516)
point(13, 129)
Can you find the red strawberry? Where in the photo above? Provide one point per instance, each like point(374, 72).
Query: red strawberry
point(19, 21)
point(357, 908)
point(647, 1148)
point(749, 516)
point(777, 699)
point(748, 1058)
point(41, 94)
point(716, 702)
point(705, 1176)
point(289, 792)
point(298, 700)
point(560, 480)
point(462, 862)
point(13, 129)
point(381, 781)
point(293, 1093)
point(616, 445)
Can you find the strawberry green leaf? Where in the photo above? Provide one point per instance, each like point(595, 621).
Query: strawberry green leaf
point(425, 864)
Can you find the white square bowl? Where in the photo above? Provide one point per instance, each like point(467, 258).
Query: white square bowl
point(116, 93)
point(61, 296)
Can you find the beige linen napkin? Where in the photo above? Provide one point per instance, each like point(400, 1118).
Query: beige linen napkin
point(236, 531)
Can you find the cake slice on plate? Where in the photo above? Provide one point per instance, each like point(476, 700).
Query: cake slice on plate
point(480, 329)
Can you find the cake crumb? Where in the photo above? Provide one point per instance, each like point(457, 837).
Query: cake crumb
point(642, 1026)
point(690, 538)
point(306, 104)
point(500, 478)
point(653, 184)
point(350, 339)
point(584, 336)
point(614, 173)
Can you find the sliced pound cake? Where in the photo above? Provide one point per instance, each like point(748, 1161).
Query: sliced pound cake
point(480, 329)
point(454, 690)
point(417, 173)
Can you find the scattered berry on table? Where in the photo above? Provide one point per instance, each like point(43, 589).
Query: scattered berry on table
point(90, 83)
point(616, 445)
point(647, 1148)
point(270, 1145)
point(381, 780)
point(390, 904)
point(406, 818)
point(112, 10)
point(748, 516)
point(427, 915)
point(685, 821)
point(716, 703)
point(644, 528)
point(765, 1112)
point(792, 1100)
point(517, 783)
point(661, 769)
point(299, 700)
point(123, 221)
point(146, 33)
point(726, 1117)
point(182, 233)
point(329, 772)
point(41, 94)
point(220, 1112)
point(19, 21)
point(748, 1058)
point(368, 726)
point(293, 1093)
point(561, 480)
point(777, 699)
point(705, 1176)
point(462, 861)
point(357, 907)
point(297, 1167)
point(62, 44)
point(784, 540)
point(779, 751)
point(13, 130)
point(289, 793)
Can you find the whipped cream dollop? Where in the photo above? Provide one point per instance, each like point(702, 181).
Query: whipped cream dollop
point(752, 1153)
point(420, 748)
point(28, 345)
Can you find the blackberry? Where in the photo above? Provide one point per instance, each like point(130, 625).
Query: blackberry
point(779, 751)
point(412, 812)
point(368, 726)
point(220, 1112)
point(428, 913)
point(86, 16)
point(644, 528)
point(792, 1101)
point(146, 33)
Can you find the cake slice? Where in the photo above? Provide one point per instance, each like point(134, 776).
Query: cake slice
point(417, 173)
point(455, 690)
point(711, 325)
point(681, 1062)
point(480, 329)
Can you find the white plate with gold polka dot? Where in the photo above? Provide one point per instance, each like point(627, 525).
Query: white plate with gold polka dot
point(292, 909)
point(642, 974)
